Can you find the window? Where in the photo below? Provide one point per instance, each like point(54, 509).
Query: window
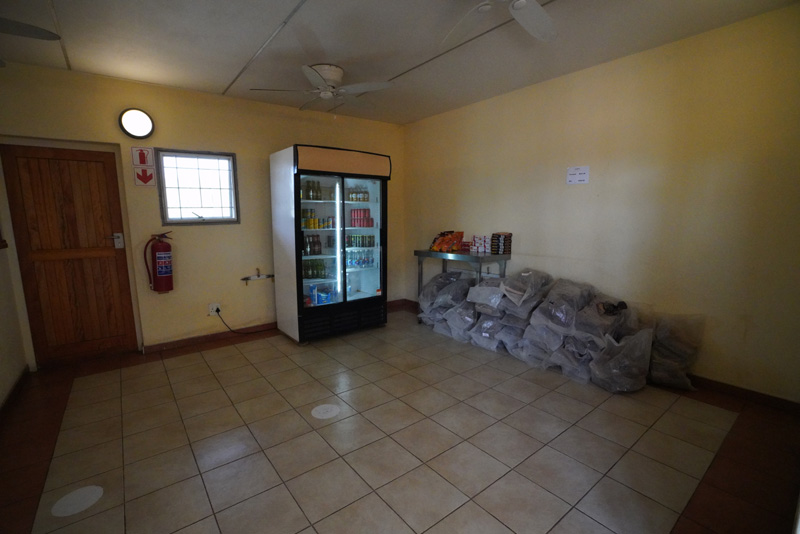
point(197, 187)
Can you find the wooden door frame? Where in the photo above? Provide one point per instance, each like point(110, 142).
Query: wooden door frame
point(13, 258)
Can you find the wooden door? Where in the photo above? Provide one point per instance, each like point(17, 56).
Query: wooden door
point(65, 207)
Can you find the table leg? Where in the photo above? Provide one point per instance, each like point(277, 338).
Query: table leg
point(419, 283)
point(502, 268)
point(419, 277)
point(444, 266)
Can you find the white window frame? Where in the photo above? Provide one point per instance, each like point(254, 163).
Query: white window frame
point(177, 186)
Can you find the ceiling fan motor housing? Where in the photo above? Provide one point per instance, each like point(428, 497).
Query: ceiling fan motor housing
point(332, 74)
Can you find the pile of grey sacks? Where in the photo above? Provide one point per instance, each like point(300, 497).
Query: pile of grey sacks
point(564, 325)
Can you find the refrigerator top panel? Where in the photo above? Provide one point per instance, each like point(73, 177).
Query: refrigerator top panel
point(342, 161)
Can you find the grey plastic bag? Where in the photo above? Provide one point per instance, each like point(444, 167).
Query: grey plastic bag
point(543, 337)
point(573, 366)
point(462, 317)
point(454, 294)
point(561, 305)
point(485, 331)
point(675, 347)
point(524, 285)
point(490, 296)
point(623, 365)
point(429, 292)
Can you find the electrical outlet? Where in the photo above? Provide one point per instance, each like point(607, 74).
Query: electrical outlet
point(213, 307)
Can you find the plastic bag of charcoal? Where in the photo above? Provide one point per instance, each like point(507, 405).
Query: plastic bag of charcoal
point(623, 364)
point(443, 292)
point(676, 343)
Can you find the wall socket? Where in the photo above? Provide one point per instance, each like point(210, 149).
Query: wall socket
point(213, 307)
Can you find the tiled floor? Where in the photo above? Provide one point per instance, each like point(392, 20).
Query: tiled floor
point(391, 430)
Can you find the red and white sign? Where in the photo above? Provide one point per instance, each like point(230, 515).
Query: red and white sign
point(144, 176)
point(142, 156)
point(144, 166)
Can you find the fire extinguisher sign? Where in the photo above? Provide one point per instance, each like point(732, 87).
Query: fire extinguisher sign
point(144, 167)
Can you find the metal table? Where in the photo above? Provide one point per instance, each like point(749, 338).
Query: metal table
point(476, 260)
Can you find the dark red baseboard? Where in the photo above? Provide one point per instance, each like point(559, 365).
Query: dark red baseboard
point(746, 394)
point(268, 329)
point(402, 305)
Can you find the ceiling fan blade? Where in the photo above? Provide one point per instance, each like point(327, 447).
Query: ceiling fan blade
point(314, 77)
point(366, 87)
point(533, 18)
point(310, 103)
point(466, 25)
point(282, 90)
point(20, 29)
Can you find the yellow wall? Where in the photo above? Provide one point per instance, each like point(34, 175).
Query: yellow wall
point(693, 204)
point(208, 261)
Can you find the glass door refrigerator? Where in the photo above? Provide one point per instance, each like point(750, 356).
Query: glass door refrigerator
point(328, 239)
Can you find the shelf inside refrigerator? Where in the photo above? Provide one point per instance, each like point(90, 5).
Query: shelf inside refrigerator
point(360, 269)
point(319, 257)
point(318, 281)
point(356, 295)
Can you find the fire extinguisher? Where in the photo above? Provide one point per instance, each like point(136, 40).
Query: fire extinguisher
point(161, 259)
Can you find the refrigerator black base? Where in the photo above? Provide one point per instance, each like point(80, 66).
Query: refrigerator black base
point(336, 319)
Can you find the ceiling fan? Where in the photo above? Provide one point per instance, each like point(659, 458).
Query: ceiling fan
point(327, 82)
point(528, 13)
point(20, 29)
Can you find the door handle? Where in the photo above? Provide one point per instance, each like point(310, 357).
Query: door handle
point(119, 240)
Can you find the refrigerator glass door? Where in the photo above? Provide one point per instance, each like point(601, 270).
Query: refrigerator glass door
point(362, 216)
point(319, 224)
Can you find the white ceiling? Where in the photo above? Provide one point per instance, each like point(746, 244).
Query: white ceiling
point(215, 46)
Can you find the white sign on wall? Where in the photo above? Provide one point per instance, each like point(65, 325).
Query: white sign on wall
point(578, 175)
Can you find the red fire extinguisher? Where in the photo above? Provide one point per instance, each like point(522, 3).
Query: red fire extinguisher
point(161, 259)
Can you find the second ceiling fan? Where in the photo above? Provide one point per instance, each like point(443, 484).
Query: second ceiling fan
point(528, 13)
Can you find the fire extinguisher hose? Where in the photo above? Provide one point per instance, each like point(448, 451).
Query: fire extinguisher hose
point(146, 263)
point(153, 237)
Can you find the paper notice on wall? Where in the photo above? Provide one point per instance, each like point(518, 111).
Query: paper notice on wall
point(578, 175)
